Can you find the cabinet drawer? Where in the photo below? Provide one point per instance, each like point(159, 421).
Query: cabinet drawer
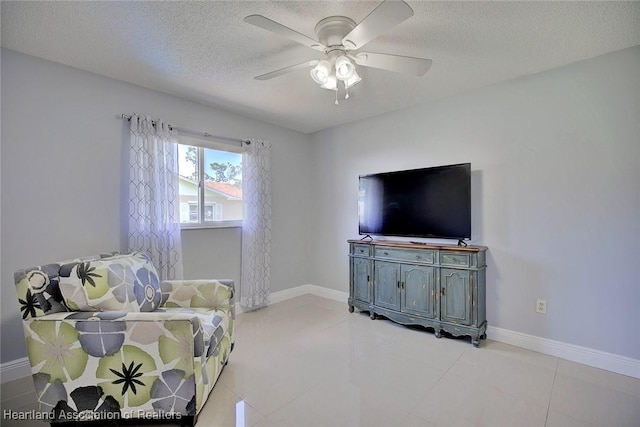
point(462, 259)
point(360, 249)
point(425, 256)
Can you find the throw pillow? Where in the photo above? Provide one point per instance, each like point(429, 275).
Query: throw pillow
point(121, 283)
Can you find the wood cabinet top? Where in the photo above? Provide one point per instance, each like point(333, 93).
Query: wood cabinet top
point(410, 245)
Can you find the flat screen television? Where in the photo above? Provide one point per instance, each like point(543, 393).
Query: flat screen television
point(431, 202)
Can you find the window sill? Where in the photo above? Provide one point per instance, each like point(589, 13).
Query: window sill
point(219, 224)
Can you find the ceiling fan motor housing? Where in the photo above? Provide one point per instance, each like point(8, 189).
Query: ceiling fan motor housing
point(331, 31)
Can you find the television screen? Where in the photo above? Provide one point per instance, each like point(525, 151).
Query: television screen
point(431, 202)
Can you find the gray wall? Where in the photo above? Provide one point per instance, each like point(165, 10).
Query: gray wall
point(556, 187)
point(556, 193)
point(62, 145)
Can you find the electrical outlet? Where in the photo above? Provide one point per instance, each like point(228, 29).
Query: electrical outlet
point(541, 306)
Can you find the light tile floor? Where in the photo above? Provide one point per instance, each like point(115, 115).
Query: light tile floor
point(308, 362)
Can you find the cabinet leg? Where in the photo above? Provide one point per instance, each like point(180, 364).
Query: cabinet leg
point(483, 336)
point(350, 309)
point(372, 315)
point(438, 333)
point(475, 343)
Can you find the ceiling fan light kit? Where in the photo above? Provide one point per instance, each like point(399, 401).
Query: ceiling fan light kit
point(337, 36)
point(344, 68)
point(337, 67)
point(321, 72)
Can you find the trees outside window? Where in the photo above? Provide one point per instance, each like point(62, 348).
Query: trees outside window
point(210, 186)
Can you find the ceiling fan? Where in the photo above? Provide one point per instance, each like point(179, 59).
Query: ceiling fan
point(340, 39)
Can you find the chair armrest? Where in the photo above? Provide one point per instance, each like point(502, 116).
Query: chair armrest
point(212, 294)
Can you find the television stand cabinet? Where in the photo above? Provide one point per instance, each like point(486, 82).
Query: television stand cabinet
point(436, 286)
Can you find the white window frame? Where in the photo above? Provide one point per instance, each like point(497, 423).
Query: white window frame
point(200, 146)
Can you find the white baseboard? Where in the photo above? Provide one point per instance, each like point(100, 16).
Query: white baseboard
point(587, 356)
point(299, 291)
point(575, 353)
point(309, 289)
point(280, 296)
point(14, 369)
point(328, 293)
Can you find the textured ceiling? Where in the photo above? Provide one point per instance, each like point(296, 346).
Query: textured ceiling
point(203, 51)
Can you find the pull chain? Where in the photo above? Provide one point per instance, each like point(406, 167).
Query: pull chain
point(346, 88)
point(336, 103)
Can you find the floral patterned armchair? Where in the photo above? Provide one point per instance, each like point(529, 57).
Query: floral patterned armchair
point(107, 341)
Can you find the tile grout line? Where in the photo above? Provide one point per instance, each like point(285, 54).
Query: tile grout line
point(444, 373)
point(553, 385)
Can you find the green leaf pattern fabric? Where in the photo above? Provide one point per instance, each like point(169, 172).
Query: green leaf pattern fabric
point(121, 360)
point(55, 348)
point(129, 375)
point(177, 346)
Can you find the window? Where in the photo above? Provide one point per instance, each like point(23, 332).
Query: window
point(210, 184)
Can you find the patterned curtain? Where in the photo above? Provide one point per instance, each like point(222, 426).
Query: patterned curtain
point(154, 224)
point(256, 224)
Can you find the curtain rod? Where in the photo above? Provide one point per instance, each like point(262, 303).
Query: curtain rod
point(197, 133)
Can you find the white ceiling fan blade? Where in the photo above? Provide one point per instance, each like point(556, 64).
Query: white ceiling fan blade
point(388, 14)
point(397, 63)
point(274, 27)
point(286, 70)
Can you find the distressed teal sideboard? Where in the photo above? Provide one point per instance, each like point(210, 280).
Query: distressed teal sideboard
point(436, 286)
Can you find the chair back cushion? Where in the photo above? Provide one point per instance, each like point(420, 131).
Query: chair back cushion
point(120, 283)
point(38, 287)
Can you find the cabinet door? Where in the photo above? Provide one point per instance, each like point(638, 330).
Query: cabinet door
point(455, 295)
point(418, 290)
point(387, 285)
point(361, 271)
